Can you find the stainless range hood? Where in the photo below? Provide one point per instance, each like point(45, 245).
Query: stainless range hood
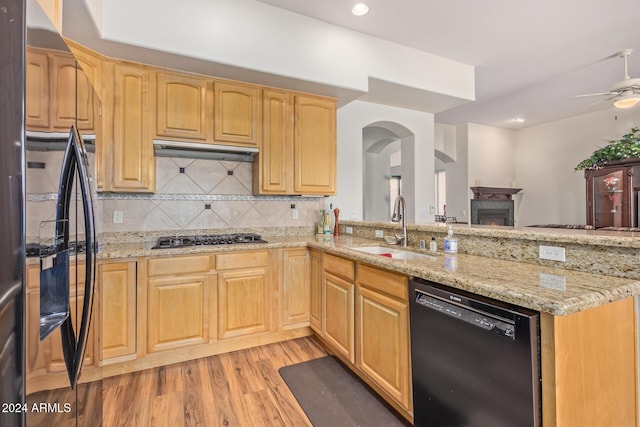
point(55, 141)
point(196, 150)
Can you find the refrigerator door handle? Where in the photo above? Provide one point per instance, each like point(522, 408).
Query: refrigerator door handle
point(75, 159)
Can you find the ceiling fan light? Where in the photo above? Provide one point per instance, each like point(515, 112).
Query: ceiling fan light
point(626, 101)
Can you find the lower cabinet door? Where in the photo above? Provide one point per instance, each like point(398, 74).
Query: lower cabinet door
point(118, 291)
point(295, 287)
point(243, 302)
point(383, 343)
point(338, 315)
point(177, 312)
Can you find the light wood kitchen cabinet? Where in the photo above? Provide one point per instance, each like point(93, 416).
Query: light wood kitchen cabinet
point(118, 310)
point(244, 293)
point(274, 163)
point(589, 366)
point(295, 287)
point(237, 113)
point(315, 291)
point(314, 146)
point(131, 150)
point(338, 305)
point(178, 301)
point(382, 331)
point(298, 152)
point(51, 85)
point(182, 107)
point(37, 89)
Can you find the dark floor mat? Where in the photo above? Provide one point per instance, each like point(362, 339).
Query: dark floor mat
point(331, 395)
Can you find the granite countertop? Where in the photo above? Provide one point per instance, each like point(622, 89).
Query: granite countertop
point(546, 289)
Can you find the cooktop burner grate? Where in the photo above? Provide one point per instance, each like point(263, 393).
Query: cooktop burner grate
point(166, 242)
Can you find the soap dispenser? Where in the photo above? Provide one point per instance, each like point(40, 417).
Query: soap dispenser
point(450, 243)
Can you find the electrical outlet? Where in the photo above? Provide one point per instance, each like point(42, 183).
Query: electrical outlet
point(553, 253)
point(294, 213)
point(117, 217)
point(349, 230)
point(379, 234)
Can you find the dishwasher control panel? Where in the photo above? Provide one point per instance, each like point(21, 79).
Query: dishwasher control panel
point(499, 326)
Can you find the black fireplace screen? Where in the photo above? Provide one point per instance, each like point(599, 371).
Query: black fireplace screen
point(492, 212)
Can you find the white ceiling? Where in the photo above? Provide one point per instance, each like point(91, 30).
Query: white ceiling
point(531, 57)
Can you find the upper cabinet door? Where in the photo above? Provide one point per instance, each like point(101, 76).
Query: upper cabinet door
point(89, 86)
point(52, 101)
point(315, 146)
point(182, 109)
point(133, 161)
point(63, 92)
point(37, 90)
point(275, 161)
point(237, 114)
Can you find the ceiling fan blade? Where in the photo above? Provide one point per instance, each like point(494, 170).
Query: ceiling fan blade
point(596, 94)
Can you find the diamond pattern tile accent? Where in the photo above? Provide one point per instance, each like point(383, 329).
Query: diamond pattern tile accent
point(204, 177)
point(207, 174)
point(182, 212)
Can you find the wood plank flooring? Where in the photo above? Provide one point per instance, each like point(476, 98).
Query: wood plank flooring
point(241, 388)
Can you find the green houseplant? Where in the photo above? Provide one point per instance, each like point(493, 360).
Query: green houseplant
point(627, 147)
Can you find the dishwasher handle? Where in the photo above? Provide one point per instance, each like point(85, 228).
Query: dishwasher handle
point(500, 326)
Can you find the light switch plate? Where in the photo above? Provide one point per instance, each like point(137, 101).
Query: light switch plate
point(117, 217)
point(553, 253)
point(349, 230)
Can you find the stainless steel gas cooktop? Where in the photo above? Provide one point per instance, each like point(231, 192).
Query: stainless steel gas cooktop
point(167, 242)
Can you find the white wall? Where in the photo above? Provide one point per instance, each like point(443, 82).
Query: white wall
point(377, 173)
point(491, 156)
point(417, 160)
point(457, 177)
point(256, 36)
point(545, 158)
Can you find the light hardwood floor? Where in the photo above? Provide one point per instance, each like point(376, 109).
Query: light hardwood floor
point(241, 388)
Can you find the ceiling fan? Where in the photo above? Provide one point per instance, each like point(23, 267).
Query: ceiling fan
point(626, 92)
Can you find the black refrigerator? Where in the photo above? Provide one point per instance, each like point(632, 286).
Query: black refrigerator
point(12, 336)
point(49, 232)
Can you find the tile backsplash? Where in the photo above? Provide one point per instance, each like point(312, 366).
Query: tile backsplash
point(191, 194)
point(195, 194)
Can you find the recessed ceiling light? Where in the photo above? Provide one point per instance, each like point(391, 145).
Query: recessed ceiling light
point(360, 9)
point(518, 120)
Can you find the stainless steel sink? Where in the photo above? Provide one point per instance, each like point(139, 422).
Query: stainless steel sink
point(391, 252)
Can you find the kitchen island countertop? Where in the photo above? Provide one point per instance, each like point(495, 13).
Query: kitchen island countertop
point(546, 289)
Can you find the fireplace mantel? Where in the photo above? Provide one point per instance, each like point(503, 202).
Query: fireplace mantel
point(494, 193)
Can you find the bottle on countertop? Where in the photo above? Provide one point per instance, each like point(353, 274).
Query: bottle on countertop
point(320, 223)
point(327, 223)
point(433, 246)
point(450, 243)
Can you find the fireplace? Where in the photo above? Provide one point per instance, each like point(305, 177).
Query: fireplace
point(493, 206)
point(492, 212)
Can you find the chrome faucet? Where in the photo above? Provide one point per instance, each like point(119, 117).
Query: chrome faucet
point(399, 215)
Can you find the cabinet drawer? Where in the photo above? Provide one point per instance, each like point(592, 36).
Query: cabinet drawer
point(384, 281)
point(234, 260)
point(179, 265)
point(339, 266)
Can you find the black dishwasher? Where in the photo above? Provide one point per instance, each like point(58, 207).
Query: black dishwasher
point(474, 360)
